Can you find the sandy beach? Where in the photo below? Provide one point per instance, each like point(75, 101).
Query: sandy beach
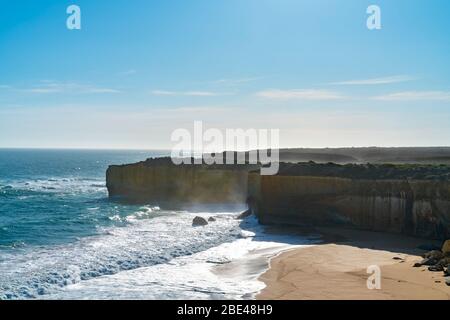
point(337, 270)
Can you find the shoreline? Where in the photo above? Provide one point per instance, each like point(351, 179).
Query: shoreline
point(263, 243)
point(336, 269)
point(251, 267)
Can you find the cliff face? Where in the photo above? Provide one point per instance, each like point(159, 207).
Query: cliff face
point(413, 207)
point(162, 183)
point(409, 199)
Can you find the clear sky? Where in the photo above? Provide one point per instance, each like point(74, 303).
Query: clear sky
point(137, 70)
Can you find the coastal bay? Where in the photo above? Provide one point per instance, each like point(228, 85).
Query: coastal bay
point(369, 217)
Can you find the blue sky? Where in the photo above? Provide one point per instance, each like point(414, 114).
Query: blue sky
point(137, 70)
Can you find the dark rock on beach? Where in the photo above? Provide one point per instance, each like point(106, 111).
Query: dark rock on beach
point(211, 219)
point(437, 261)
point(436, 268)
point(428, 262)
point(199, 221)
point(447, 272)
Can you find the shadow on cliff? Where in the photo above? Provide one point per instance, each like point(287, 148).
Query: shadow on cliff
point(395, 243)
point(302, 235)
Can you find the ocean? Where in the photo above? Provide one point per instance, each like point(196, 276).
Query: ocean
point(62, 238)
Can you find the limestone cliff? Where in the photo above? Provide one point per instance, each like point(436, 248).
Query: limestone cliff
point(160, 182)
point(409, 199)
point(418, 207)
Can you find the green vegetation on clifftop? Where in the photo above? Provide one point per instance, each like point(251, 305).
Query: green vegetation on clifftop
point(368, 171)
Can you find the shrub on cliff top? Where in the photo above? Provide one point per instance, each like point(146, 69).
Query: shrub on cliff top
point(368, 171)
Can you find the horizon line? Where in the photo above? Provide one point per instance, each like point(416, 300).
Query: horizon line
point(168, 150)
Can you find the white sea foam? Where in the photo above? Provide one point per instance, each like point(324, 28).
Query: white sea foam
point(143, 242)
point(60, 185)
point(227, 271)
point(159, 255)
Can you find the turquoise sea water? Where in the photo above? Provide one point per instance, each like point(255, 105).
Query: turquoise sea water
point(54, 196)
point(62, 238)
